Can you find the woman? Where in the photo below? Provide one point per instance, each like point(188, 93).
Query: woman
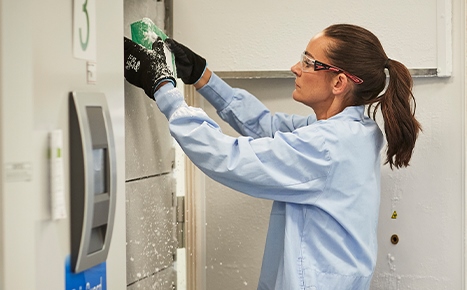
point(322, 170)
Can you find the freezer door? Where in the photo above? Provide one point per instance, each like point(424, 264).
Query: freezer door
point(161, 281)
point(148, 145)
point(151, 245)
point(150, 155)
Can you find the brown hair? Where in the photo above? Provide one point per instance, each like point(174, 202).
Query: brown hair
point(358, 51)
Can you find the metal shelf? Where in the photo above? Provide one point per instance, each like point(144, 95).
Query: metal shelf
point(285, 74)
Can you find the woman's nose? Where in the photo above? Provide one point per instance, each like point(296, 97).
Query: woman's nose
point(296, 69)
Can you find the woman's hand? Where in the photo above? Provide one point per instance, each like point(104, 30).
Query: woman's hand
point(146, 69)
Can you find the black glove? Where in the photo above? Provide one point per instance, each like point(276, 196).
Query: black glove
point(146, 68)
point(190, 66)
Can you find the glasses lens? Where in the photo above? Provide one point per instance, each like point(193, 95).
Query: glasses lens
point(306, 63)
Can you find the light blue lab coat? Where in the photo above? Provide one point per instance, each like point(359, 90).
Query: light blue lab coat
point(324, 178)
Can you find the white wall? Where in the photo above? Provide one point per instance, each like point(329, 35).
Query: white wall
point(428, 196)
point(18, 251)
point(38, 71)
point(1, 162)
point(271, 35)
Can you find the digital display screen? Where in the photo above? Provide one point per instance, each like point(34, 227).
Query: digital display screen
point(99, 167)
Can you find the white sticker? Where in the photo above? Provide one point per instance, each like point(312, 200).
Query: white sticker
point(18, 172)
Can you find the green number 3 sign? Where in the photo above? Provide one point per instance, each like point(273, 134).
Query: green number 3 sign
point(84, 29)
point(84, 44)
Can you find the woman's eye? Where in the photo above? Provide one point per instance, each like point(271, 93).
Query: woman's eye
point(308, 63)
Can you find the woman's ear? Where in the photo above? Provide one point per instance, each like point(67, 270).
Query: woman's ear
point(341, 84)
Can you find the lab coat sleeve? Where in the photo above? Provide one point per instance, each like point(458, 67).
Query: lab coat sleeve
point(246, 114)
point(283, 168)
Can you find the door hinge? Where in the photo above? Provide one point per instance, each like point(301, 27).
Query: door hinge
point(180, 221)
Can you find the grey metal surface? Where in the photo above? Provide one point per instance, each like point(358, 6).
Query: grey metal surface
point(148, 146)
point(150, 205)
point(164, 280)
point(151, 243)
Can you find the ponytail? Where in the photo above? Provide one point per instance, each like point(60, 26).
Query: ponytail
point(398, 110)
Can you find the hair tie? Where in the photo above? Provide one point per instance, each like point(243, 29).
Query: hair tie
point(386, 65)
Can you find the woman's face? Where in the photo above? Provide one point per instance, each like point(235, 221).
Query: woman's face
point(314, 88)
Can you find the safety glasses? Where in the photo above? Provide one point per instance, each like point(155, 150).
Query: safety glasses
point(309, 64)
